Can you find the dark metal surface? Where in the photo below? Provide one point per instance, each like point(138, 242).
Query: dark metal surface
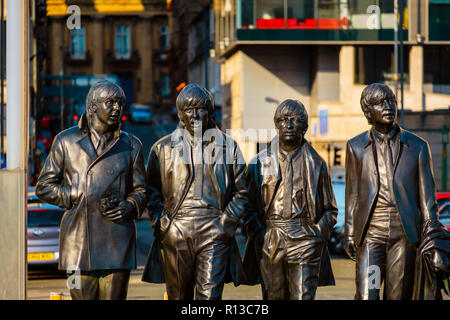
point(291, 246)
point(76, 177)
point(408, 195)
point(195, 220)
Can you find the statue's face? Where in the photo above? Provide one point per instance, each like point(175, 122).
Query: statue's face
point(195, 118)
point(290, 128)
point(109, 111)
point(384, 113)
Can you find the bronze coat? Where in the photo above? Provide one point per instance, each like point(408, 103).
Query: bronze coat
point(321, 205)
point(169, 178)
point(75, 178)
point(414, 189)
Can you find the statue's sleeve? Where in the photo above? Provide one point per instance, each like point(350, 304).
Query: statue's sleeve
point(252, 223)
point(51, 187)
point(155, 201)
point(239, 194)
point(138, 194)
point(351, 190)
point(327, 202)
point(427, 193)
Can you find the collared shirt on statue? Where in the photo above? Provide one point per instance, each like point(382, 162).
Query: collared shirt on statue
point(201, 194)
point(385, 197)
point(276, 210)
point(100, 142)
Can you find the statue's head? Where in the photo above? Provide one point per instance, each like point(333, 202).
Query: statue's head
point(195, 107)
point(291, 120)
point(379, 105)
point(105, 102)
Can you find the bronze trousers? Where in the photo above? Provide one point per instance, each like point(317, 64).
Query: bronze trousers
point(102, 285)
point(196, 253)
point(385, 255)
point(290, 260)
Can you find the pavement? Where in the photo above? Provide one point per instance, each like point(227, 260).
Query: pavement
point(41, 289)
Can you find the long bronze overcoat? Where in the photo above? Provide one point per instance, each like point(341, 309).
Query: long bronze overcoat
point(75, 178)
point(414, 188)
point(170, 175)
point(264, 177)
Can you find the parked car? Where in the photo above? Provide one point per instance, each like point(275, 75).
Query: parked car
point(443, 199)
point(43, 231)
point(140, 113)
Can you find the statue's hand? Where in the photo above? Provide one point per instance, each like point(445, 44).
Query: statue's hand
point(350, 248)
point(123, 212)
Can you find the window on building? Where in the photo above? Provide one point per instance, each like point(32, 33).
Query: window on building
point(270, 14)
point(436, 75)
point(78, 43)
point(300, 9)
point(164, 37)
point(376, 64)
point(123, 42)
point(361, 13)
point(165, 85)
point(439, 20)
point(316, 14)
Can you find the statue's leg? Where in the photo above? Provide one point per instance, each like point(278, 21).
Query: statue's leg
point(304, 249)
point(370, 269)
point(212, 255)
point(400, 264)
point(113, 284)
point(274, 271)
point(89, 287)
point(179, 261)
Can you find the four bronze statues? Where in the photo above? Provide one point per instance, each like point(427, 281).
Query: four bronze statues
point(198, 190)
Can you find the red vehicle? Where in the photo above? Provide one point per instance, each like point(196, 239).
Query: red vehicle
point(443, 199)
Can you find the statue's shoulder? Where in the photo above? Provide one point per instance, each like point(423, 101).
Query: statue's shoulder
point(359, 142)
point(133, 141)
point(163, 142)
point(313, 154)
point(412, 139)
point(69, 135)
point(359, 139)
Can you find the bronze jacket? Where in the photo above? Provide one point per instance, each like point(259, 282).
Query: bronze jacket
point(264, 176)
point(170, 174)
point(75, 178)
point(414, 189)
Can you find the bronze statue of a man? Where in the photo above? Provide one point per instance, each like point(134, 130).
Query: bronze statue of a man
point(390, 199)
point(294, 200)
point(96, 171)
point(198, 193)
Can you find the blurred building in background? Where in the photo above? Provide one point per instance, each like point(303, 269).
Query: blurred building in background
point(192, 30)
point(123, 41)
point(324, 53)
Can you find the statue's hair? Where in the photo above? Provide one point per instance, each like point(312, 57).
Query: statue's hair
point(292, 106)
point(194, 95)
point(93, 97)
point(374, 94)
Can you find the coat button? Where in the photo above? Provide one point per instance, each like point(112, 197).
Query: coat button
point(375, 172)
point(110, 171)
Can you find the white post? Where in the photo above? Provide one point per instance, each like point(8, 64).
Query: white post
point(16, 83)
point(13, 180)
